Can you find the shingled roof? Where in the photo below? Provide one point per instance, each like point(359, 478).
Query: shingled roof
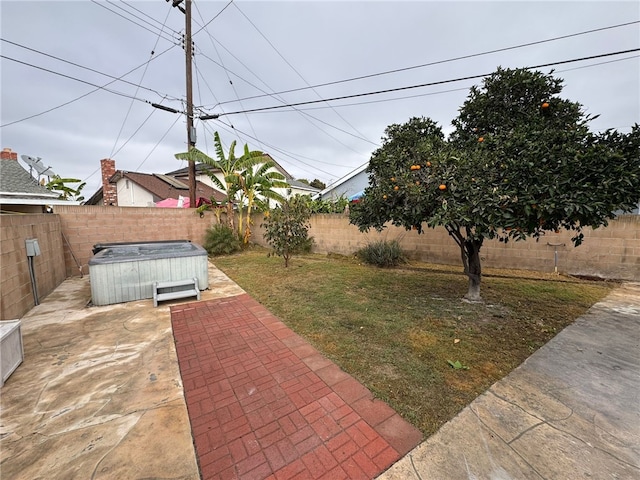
point(17, 186)
point(167, 186)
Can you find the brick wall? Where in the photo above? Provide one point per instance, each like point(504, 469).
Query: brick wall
point(15, 282)
point(85, 226)
point(611, 252)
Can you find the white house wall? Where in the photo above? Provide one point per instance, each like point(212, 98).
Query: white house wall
point(132, 195)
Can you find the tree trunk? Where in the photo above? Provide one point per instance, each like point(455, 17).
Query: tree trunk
point(473, 269)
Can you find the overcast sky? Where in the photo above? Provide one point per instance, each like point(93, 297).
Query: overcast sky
point(250, 49)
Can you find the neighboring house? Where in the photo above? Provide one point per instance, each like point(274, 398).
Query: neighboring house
point(20, 192)
point(348, 186)
point(294, 188)
point(133, 189)
point(301, 188)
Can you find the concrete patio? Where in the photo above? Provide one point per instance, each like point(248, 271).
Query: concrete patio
point(100, 395)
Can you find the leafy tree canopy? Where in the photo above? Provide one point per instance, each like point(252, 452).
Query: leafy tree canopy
point(65, 191)
point(521, 161)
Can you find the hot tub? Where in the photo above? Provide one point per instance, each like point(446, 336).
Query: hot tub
point(126, 272)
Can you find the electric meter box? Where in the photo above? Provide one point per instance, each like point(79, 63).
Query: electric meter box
point(33, 249)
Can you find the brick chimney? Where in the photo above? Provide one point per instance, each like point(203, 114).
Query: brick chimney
point(109, 191)
point(7, 154)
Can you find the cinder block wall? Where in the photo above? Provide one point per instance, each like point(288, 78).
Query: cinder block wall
point(16, 296)
point(608, 252)
point(86, 226)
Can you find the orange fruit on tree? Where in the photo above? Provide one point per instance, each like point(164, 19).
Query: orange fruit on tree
point(384, 197)
point(417, 182)
point(393, 179)
point(442, 187)
point(396, 188)
point(545, 105)
point(481, 139)
point(428, 164)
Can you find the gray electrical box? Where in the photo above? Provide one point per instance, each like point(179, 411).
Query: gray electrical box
point(33, 249)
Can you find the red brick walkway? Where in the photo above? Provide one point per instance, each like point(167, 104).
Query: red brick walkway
point(263, 403)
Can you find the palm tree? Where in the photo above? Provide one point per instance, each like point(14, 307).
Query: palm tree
point(256, 189)
point(228, 167)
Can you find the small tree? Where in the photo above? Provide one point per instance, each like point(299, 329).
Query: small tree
point(520, 162)
point(287, 228)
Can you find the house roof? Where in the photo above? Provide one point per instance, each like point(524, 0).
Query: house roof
point(17, 186)
point(302, 186)
point(202, 168)
point(160, 186)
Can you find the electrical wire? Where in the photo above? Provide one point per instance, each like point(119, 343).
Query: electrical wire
point(88, 68)
point(144, 72)
point(159, 142)
point(296, 71)
point(163, 25)
point(86, 94)
point(439, 62)
point(169, 39)
point(233, 87)
point(278, 98)
point(441, 92)
point(76, 79)
point(429, 84)
point(216, 16)
point(273, 147)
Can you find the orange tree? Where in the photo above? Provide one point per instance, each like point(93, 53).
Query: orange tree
point(520, 161)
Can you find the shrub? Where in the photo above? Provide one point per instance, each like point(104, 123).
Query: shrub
point(382, 254)
point(286, 228)
point(221, 240)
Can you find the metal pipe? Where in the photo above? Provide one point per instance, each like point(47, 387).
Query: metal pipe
point(34, 287)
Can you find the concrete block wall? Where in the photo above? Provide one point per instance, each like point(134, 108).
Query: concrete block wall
point(86, 226)
point(607, 252)
point(16, 296)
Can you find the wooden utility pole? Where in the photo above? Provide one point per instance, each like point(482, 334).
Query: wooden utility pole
point(191, 131)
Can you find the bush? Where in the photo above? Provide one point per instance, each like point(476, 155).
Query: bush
point(221, 240)
point(382, 254)
point(286, 228)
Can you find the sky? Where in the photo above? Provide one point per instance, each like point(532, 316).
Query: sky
point(61, 99)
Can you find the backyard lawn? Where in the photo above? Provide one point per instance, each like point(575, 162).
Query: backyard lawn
point(398, 331)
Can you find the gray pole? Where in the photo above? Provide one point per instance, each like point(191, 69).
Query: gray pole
point(191, 134)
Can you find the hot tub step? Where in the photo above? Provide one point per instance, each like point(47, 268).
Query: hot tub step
point(191, 290)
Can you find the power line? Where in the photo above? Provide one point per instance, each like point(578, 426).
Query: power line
point(88, 93)
point(163, 25)
point(225, 70)
point(441, 92)
point(144, 72)
point(76, 79)
point(306, 116)
point(296, 71)
point(439, 62)
point(170, 39)
point(216, 16)
point(440, 82)
point(159, 141)
point(90, 69)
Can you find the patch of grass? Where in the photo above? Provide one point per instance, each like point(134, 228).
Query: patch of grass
point(396, 330)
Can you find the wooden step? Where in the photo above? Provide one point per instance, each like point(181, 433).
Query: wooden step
point(191, 290)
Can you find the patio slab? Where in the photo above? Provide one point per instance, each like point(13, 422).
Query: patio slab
point(264, 403)
point(99, 394)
